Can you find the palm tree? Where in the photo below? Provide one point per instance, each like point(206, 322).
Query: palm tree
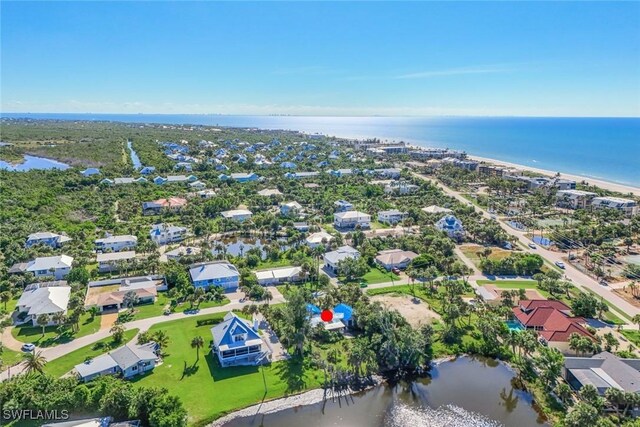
point(162, 339)
point(5, 297)
point(34, 362)
point(197, 343)
point(636, 319)
point(43, 321)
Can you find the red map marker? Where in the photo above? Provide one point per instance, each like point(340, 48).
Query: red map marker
point(326, 315)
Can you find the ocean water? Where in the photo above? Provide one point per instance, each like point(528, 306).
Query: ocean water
point(603, 148)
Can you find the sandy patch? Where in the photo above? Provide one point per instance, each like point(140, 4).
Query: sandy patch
point(416, 313)
point(107, 320)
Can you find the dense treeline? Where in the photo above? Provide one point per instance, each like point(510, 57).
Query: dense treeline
point(106, 396)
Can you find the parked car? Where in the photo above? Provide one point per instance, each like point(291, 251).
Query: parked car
point(560, 264)
point(532, 246)
point(28, 347)
point(604, 283)
point(395, 270)
point(363, 284)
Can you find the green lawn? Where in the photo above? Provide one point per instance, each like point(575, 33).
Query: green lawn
point(611, 316)
point(62, 365)
point(373, 276)
point(144, 311)
point(10, 357)
point(632, 336)
point(33, 334)
point(510, 284)
point(209, 391)
point(11, 305)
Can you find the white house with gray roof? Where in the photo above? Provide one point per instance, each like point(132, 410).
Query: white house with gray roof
point(163, 234)
point(43, 298)
point(215, 273)
point(116, 243)
point(46, 238)
point(603, 371)
point(129, 360)
point(52, 266)
point(237, 342)
point(333, 258)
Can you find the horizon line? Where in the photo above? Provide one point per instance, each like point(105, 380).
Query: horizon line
point(328, 115)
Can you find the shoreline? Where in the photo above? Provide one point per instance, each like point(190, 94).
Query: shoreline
point(607, 185)
point(306, 398)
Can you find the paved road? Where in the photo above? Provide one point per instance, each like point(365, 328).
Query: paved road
point(578, 278)
point(52, 353)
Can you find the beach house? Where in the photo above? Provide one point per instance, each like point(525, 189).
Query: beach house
point(116, 243)
point(237, 342)
point(393, 216)
point(628, 207)
point(40, 299)
point(574, 199)
point(333, 258)
point(156, 207)
point(127, 361)
point(395, 258)
point(215, 273)
point(318, 239)
point(237, 214)
point(162, 234)
point(290, 208)
point(52, 266)
point(113, 261)
point(46, 238)
point(451, 226)
point(280, 275)
point(343, 206)
point(351, 219)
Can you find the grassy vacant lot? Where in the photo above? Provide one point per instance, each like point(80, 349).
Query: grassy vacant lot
point(144, 311)
point(375, 275)
point(510, 284)
point(62, 365)
point(471, 252)
point(209, 391)
point(33, 334)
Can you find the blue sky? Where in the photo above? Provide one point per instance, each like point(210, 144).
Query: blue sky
point(477, 58)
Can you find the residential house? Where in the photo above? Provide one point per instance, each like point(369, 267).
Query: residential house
point(280, 275)
point(90, 171)
point(290, 208)
point(236, 342)
point(206, 194)
point(564, 184)
point(302, 227)
point(341, 172)
point(351, 219)
point(574, 199)
point(401, 188)
point(240, 177)
point(127, 361)
point(393, 173)
point(182, 251)
point(393, 216)
point(343, 317)
point(156, 207)
point(147, 170)
point(46, 238)
point(52, 266)
point(552, 320)
point(395, 258)
point(197, 185)
point(43, 299)
point(162, 234)
point(215, 273)
point(451, 225)
point(603, 371)
point(269, 192)
point(237, 214)
point(174, 179)
point(343, 206)
point(112, 261)
point(288, 165)
point(317, 239)
point(116, 243)
point(433, 209)
point(185, 166)
point(627, 206)
point(333, 258)
point(298, 175)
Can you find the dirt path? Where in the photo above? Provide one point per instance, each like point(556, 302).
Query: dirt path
point(107, 320)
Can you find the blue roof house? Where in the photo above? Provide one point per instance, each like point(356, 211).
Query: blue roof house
point(236, 342)
point(215, 273)
point(288, 165)
point(451, 225)
point(148, 170)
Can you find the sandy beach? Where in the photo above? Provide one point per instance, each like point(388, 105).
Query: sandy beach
point(607, 185)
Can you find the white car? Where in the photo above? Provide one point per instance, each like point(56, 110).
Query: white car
point(28, 347)
point(532, 246)
point(560, 264)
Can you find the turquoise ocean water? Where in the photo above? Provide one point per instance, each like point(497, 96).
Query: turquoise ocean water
point(603, 148)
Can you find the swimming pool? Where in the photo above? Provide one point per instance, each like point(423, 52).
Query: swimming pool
point(514, 325)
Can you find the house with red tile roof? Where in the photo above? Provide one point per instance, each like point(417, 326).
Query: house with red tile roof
point(155, 207)
point(552, 320)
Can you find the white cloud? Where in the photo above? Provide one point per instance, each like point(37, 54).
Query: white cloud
point(481, 69)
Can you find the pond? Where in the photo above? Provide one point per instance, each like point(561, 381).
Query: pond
point(137, 164)
point(33, 163)
point(467, 392)
point(239, 246)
